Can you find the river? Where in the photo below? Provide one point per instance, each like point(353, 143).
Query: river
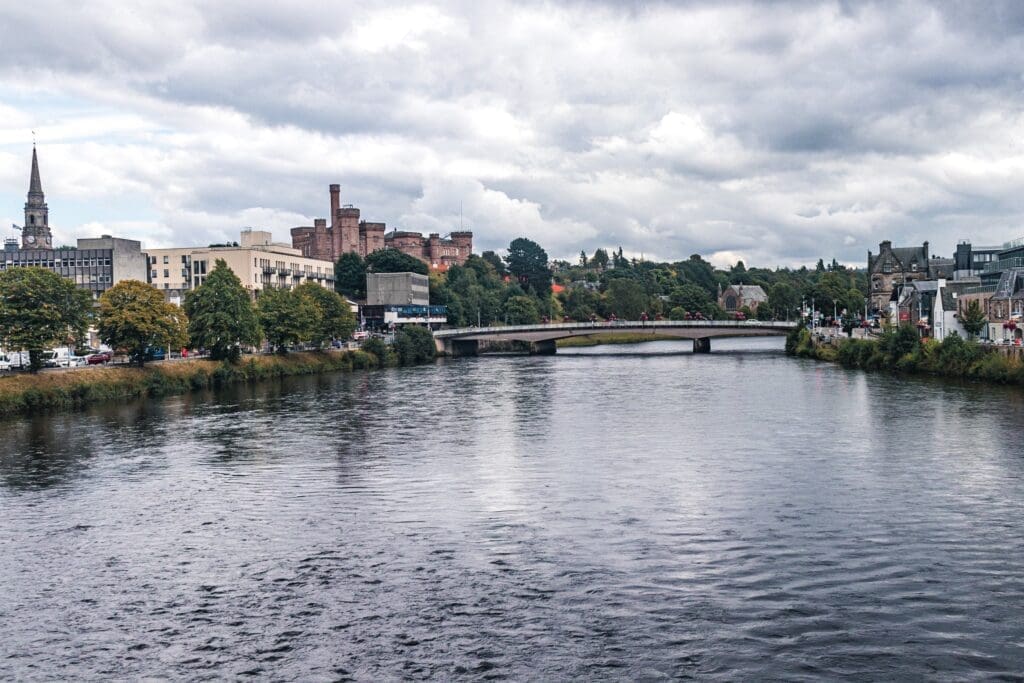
point(621, 512)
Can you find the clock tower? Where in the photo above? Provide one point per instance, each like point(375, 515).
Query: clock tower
point(35, 234)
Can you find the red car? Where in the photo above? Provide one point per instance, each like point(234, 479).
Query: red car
point(99, 358)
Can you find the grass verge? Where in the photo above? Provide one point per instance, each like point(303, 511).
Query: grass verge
point(80, 387)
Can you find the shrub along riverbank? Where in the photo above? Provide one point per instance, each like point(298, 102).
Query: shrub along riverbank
point(902, 350)
point(80, 387)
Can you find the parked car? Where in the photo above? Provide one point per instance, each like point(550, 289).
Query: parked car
point(5, 363)
point(155, 354)
point(99, 358)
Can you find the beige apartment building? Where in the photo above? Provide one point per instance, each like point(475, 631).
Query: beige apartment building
point(257, 261)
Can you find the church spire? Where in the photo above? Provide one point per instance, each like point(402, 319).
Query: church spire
point(35, 185)
point(35, 234)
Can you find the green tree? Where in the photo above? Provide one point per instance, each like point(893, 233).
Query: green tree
point(600, 259)
point(783, 299)
point(581, 303)
point(528, 262)
point(221, 316)
point(40, 309)
point(626, 298)
point(973, 319)
point(286, 317)
point(414, 345)
point(350, 275)
point(693, 299)
point(495, 260)
point(394, 261)
point(378, 348)
point(522, 310)
point(334, 319)
point(134, 317)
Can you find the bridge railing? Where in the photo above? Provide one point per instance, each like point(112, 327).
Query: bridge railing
point(612, 324)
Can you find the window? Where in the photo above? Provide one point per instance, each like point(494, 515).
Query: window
point(166, 257)
point(152, 275)
point(167, 273)
point(31, 220)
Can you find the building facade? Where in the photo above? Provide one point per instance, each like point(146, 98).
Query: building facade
point(347, 233)
point(735, 297)
point(397, 289)
point(258, 262)
point(893, 267)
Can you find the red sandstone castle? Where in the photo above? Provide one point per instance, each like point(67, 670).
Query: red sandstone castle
point(347, 233)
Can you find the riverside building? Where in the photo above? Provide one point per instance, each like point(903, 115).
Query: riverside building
point(257, 260)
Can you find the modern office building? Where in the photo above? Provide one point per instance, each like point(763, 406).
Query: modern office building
point(399, 299)
point(258, 261)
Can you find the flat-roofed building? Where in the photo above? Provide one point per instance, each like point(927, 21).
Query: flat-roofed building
point(97, 264)
point(257, 260)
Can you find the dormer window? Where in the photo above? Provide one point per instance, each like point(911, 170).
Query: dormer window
point(913, 267)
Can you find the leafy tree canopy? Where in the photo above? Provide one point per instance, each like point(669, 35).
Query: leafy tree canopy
point(287, 317)
point(334, 320)
point(40, 309)
point(394, 261)
point(973, 319)
point(521, 310)
point(221, 316)
point(134, 317)
point(528, 262)
point(350, 275)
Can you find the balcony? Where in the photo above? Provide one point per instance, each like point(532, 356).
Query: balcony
point(269, 269)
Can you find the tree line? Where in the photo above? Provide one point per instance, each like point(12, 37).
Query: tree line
point(517, 288)
point(40, 309)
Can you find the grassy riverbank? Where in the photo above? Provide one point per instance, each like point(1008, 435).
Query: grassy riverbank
point(80, 387)
point(901, 350)
point(607, 338)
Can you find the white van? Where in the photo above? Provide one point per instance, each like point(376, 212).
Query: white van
point(62, 357)
point(13, 360)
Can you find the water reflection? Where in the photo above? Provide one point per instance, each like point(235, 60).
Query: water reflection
point(599, 514)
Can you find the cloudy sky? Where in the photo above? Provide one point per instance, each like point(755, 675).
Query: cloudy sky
point(774, 132)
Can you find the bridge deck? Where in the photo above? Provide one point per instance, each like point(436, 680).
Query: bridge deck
point(684, 329)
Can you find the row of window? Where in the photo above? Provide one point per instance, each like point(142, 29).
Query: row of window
point(61, 263)
point(167, 259)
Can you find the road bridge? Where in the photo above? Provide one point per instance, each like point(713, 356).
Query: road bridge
point(465, 341)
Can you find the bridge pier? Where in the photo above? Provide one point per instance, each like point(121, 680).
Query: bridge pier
point(543, 348)
point(458, 348)
point(702, 345)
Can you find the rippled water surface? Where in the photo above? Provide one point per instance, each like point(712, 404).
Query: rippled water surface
point(611, 513)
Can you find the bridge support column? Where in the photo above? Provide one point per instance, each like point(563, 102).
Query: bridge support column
point(702, 345)
point(457, 348)
point(543, 348)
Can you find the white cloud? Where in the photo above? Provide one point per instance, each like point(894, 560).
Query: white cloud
point(775, 132)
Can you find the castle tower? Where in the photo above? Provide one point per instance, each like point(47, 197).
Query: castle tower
point(36, 232)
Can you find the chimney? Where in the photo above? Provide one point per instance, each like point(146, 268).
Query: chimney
point(335, 201)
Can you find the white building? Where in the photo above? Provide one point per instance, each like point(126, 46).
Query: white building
point(257, 261)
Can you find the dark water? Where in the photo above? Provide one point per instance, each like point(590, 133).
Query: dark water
point(734, 516)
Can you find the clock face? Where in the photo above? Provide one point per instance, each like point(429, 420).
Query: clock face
point(31, 239)
point(47, 241)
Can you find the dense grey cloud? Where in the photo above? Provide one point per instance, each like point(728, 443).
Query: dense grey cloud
point(776, 132)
